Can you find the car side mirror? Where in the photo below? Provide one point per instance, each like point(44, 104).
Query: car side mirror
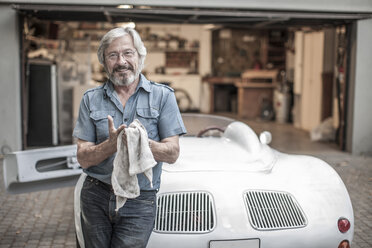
point(265, 137)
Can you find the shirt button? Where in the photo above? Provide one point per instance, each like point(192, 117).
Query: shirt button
point(125, 120)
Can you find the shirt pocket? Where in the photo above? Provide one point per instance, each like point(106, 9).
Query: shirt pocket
point(149, 119)
point(101, 123)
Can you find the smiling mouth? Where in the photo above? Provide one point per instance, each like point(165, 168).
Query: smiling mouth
point(123, 69)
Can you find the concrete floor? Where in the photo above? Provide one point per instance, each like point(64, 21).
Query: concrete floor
point(45, 219)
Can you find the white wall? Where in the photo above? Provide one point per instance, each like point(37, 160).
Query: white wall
point(360, 124)
point(10, 97)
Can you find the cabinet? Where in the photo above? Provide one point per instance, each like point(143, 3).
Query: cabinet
point(213, 84)
point(255, 87)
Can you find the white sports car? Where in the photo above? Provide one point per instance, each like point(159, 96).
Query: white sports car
point(228, 189)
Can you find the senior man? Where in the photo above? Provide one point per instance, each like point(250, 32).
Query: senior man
point(104, 112)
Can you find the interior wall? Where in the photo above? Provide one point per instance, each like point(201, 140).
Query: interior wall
point(10, 93)
point(192, 33)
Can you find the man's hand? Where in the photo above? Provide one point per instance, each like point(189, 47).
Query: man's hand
point(113, 132)
point(89, 154)
point(167, 150)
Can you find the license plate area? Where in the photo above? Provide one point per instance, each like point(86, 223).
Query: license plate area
point(236, 243)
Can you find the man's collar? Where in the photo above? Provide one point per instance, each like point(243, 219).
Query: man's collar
point(108, 88)
point(144, 83)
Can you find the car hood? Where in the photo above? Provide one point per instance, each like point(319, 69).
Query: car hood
point(237, 150)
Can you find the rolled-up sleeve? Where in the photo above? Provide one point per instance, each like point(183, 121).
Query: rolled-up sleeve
point(170, 120)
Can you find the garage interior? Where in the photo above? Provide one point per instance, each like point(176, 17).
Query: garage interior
point(284, 67)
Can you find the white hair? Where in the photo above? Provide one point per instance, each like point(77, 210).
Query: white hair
point(119, 32)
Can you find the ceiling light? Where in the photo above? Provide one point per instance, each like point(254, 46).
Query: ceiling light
point(211, 27)
point(127, 24)
point(125, 6)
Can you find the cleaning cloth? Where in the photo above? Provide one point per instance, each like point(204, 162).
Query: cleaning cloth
point(132, 158)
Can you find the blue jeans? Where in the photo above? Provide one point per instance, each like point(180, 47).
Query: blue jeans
point(102, 227)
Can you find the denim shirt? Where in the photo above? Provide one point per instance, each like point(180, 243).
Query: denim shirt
point(154, 105)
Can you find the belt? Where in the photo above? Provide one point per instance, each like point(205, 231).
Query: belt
point(100, 183)
point(109, 186)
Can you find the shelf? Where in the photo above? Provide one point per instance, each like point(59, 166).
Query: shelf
point(269, 85)
point(167, 50)
point(181, 59)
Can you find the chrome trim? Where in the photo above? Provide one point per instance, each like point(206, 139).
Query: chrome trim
point(185, 212)
point(273, 210)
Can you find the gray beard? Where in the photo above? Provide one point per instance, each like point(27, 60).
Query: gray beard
point(125, 81)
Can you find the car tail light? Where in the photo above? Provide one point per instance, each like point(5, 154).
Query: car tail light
point(343, 225)
point(344, 244)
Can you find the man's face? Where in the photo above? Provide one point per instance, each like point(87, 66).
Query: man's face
point(121, 61)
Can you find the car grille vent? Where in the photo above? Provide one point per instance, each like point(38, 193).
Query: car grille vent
point(186, 212)
point(269, 210)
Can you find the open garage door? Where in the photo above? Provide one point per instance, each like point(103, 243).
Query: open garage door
point(58, 165)
point(218, 16)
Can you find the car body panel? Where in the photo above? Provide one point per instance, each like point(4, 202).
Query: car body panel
point(323, 202)
point(41, 169)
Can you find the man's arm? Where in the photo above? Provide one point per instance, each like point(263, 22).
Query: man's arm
point(89, 154)
point(167, 150)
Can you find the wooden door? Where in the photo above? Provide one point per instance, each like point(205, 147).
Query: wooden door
point(311, 97)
